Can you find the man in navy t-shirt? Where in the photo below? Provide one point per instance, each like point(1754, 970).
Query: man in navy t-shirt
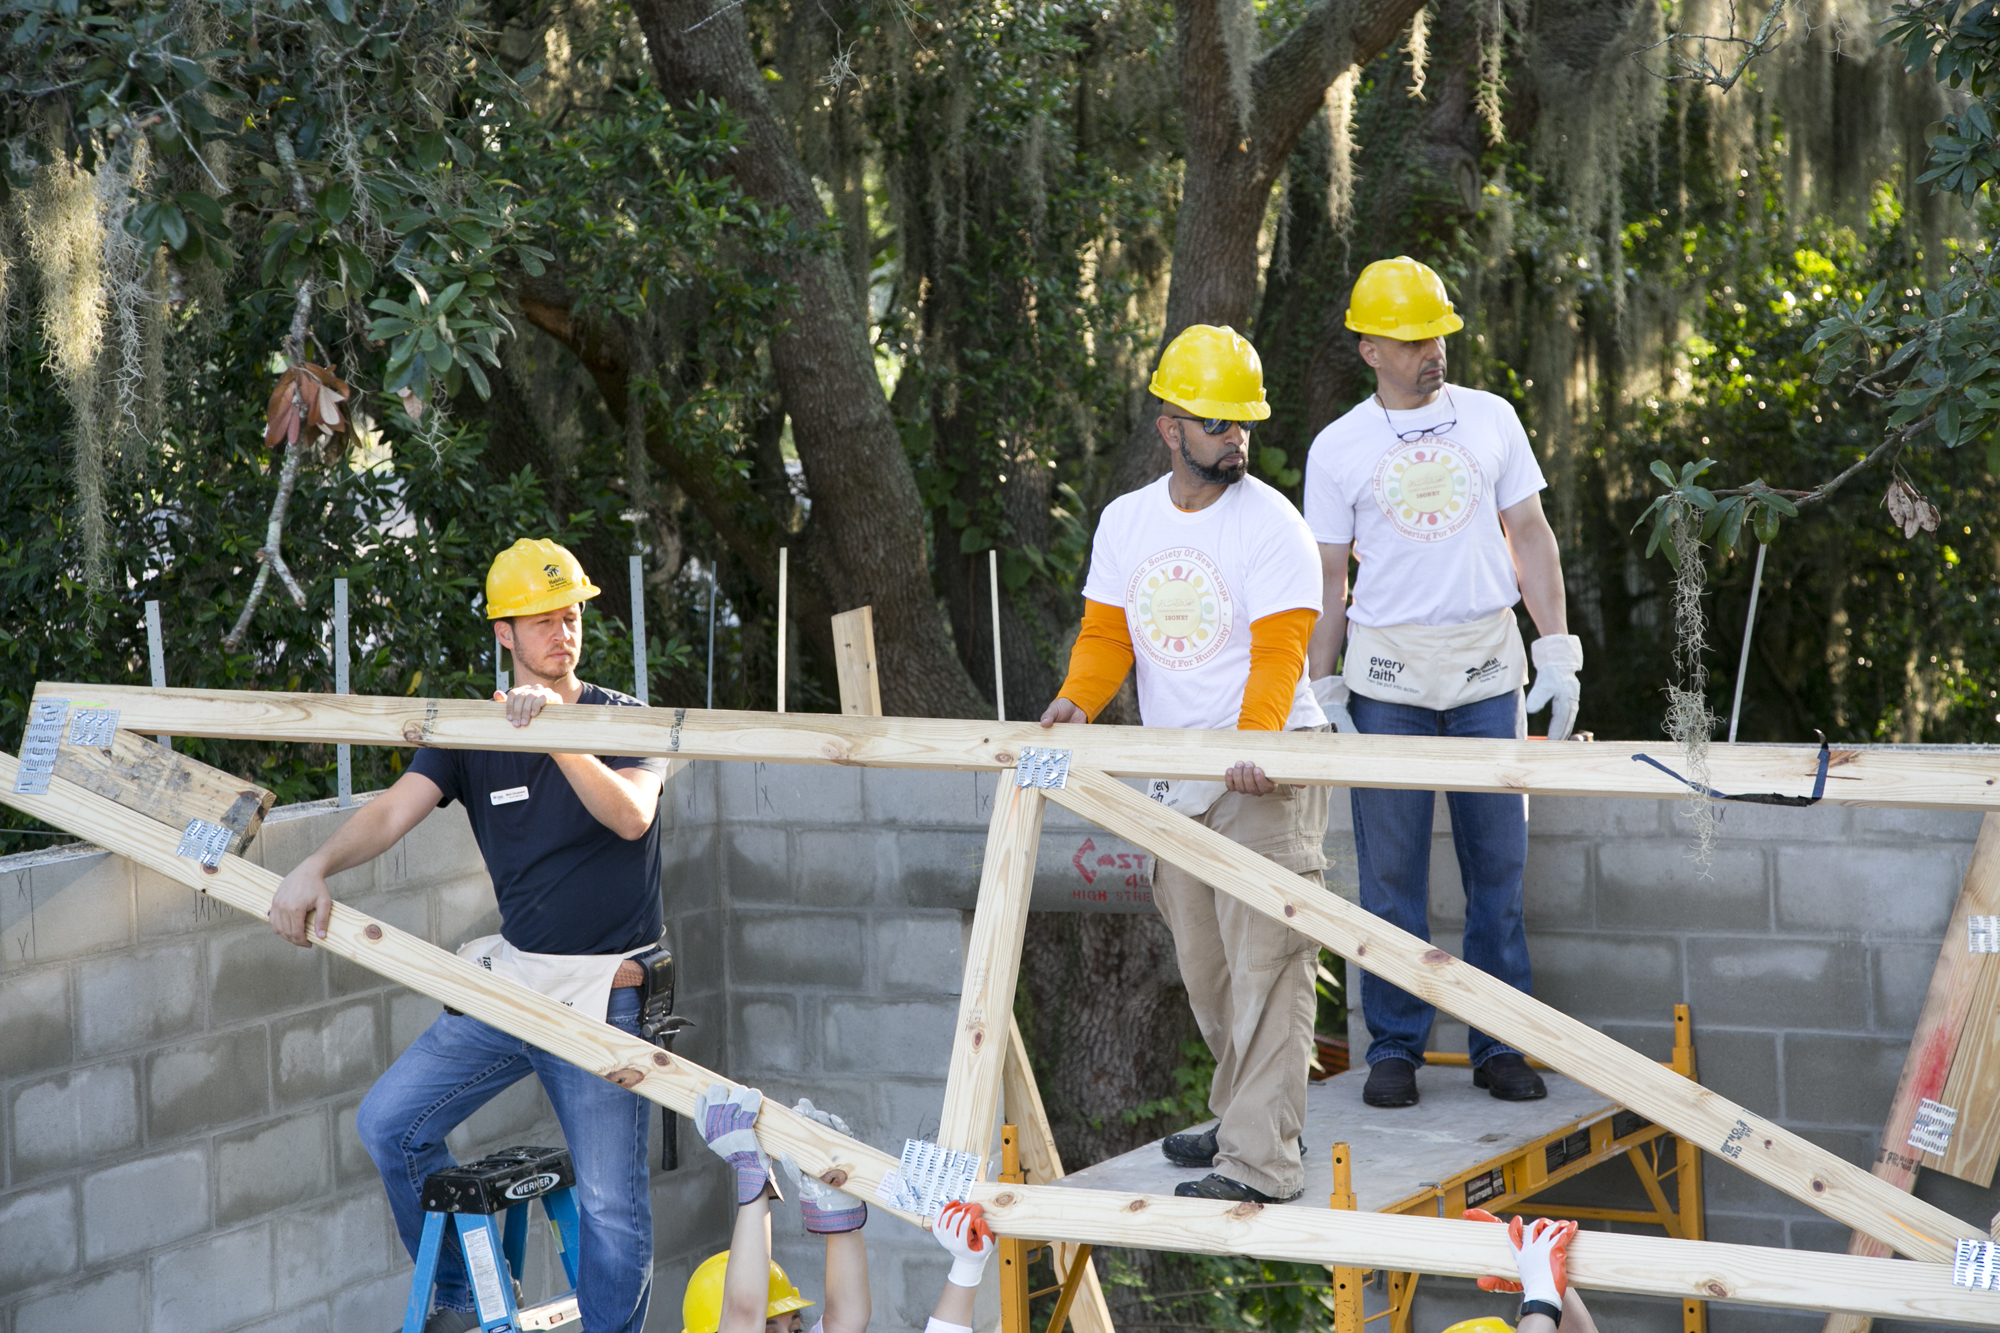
point(573, 845)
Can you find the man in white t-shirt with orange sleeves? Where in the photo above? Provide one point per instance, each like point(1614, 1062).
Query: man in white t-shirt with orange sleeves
point(1434, 490)
point(1207, 579)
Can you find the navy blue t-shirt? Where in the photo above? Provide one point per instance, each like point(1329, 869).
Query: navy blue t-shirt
point(566, 883)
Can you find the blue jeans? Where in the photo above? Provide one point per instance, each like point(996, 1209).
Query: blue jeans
point(1392, 843)
point(459, 1065)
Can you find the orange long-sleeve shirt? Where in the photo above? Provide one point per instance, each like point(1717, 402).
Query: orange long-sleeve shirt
point(1103, 654)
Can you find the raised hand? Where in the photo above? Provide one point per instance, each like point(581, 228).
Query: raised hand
point(727, 1119)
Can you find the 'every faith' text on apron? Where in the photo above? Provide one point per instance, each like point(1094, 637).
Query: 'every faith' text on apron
point(1437, 666)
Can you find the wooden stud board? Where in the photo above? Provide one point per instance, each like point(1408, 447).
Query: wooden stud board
point(992, 966)
point(1891, 778)
point(854, 662)
point(1043, 1166)
point(1774, 1155)
point(1598, 1260)
point(1974, 1085)
point(1949, 1007)
point(166, 786)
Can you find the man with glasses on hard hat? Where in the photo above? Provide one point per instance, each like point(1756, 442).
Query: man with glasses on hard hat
point(572, 843)
point(1433, 489)
point(1207, 580)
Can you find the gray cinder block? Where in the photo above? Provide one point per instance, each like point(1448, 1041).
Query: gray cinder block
point(74, 1118)
point(918, 952)
point(40, 1227)
point(72, 905)
point(1907, 891)
point(132, 999)
point(1601, 977)
point(214, 1284)
point(113, 1301)
point(317, 1251)
point(765, 1030)
point(327, 1051)
point(789, 793)
point(838, 868)
point(897, 796)
point(35, 1021)
point(891, 1037)
point(139, 1205)
point(206, 1084)
point(1656, 884)
point(1763, 982)
point(798, 949)
point(1841, 1079)
point(270, 1166)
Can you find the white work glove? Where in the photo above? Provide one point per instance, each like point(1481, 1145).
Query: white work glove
point(1541, 1253)
point(727, 1119)
point(827, 1211)
point(961, 1228)
point(1558, 657)
point(1333, 694)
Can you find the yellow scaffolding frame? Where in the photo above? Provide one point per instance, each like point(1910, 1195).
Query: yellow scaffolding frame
point(1505, 1183)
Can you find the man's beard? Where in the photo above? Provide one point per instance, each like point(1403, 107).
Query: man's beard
point(1214, 474)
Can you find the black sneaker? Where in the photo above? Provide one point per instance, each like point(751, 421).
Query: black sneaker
point(1190, 1150)
point(1391, 1082)
point(1508, 1077)
point(448, 1321)
point(1213, 1186)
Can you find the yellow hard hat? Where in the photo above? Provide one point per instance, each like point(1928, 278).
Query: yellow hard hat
point(1212, 371)
point(1486, 1323)
point(1400, 298)
point(701, 1308)
point(531, 577)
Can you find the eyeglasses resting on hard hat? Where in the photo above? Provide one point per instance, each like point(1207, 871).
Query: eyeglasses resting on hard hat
point(1214, 425)
point(1412, 436)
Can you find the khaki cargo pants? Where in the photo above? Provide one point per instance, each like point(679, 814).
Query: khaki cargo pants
point(1250, 982)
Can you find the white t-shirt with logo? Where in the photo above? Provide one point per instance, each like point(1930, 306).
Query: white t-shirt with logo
point(1191, 584)
point(1423, 517)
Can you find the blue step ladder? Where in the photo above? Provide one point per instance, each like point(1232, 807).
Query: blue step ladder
point(488, 1202)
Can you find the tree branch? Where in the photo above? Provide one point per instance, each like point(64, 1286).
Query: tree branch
point(1289, 82)
point(1698, 68)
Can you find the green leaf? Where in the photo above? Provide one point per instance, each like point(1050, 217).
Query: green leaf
point(1664, 473)
point(337, 201)
point(173, 226)
point(1767, 524)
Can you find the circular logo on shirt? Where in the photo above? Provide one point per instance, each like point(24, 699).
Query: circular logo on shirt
point(1429, 490)
point(1181, 608)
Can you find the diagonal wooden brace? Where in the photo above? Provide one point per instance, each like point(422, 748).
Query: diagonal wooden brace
point(992, 967)
point(1774, 1155)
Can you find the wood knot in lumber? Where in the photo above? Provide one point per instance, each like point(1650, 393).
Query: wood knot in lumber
point(372, 931)
point(833, 1176)
point(626, 1078)
point(662, 1059)
point(1247, 1209)
point(1436, 957)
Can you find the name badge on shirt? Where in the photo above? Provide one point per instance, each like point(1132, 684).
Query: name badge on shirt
point(509, 796)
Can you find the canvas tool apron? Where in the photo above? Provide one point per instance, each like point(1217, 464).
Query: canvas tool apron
point(1437, 666)
point(581, 981)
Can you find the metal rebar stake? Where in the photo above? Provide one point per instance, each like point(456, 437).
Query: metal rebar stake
point(784, 561)
point(711, 636)
point(993, 583)
point(343, 754)
point(156, 654)
point(1749, 624)
point(639, 629)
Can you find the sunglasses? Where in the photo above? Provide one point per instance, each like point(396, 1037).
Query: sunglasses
point(1214, 425)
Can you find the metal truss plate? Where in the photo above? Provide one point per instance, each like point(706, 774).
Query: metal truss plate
point(1977, 1265)
point(94, 728)
point(1042, 767)
point(928, 1177)
point(205, 842)
point(38, 746)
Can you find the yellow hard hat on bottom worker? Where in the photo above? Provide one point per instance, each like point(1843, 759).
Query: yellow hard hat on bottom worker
point(533, 576)
point(1402, 299)
point(1483, 1324)
point(701, 1308)
point(1212, 371)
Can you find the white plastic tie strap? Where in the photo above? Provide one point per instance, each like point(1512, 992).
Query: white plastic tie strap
point(1041, 766)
